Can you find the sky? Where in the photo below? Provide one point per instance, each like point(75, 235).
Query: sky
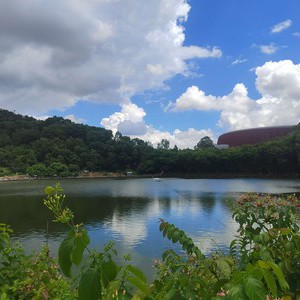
point(156, 69)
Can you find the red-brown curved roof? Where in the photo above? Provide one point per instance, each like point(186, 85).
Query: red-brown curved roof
point(253, 135)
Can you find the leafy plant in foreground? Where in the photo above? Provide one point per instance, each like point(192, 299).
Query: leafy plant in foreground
point(269, 236)
point(29, 276)
point(99, 276)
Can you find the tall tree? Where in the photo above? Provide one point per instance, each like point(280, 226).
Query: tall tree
point(205, 142)
point(164, 144)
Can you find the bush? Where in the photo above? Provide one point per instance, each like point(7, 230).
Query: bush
point(59, 169)
point(29, 276)
point(5, 171)
point(39, 170)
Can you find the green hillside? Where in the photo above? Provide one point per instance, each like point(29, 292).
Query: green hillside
point(60, 147)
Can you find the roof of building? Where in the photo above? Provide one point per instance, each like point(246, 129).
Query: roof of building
point(253, 135)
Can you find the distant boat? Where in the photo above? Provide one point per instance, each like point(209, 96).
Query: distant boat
point(156, 179)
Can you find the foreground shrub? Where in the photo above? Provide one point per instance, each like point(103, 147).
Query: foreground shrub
point(34, 276)
point(264, 259)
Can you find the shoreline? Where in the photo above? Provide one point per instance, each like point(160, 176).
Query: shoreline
point(115, 175)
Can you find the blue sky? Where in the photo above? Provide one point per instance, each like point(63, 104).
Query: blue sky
point(171, 69)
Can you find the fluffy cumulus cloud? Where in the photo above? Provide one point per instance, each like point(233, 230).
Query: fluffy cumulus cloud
point(279, 86)
point(281, 26)
point(130, 122)
point(54, 53)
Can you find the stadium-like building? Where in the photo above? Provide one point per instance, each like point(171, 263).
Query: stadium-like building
point(253, 135)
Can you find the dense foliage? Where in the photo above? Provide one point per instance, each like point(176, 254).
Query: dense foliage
point(263, 262)
point(35, 276)
point(59, 147)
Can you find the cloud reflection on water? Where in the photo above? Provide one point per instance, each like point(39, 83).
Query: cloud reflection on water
point(128, 211)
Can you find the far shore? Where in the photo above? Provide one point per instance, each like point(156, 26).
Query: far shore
point(87, 175)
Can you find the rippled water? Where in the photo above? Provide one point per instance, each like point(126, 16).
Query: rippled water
point(127, 211)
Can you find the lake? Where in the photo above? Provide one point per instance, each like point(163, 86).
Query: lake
point(127, 211)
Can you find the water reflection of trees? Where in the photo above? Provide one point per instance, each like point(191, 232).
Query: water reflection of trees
point(208, 202)
point(197, 201)
point(24, 213)
point(102, 208)
point(29, 213)
point(165, 204)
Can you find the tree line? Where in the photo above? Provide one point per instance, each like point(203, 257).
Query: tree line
point(60, 147)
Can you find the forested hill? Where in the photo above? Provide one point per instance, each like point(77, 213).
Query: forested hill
point(59, 146)
point(25, 141)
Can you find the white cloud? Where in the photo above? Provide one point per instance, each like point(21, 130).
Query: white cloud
point(130, 122)
point(239, 61)
point(182, 139)
point(74, 119)
point(281, 26)
point(279, 86)
point(268, 49)
point(42, 118)
point(194, 98)
point(279, 80)
point(60, 52)
point(297, 34)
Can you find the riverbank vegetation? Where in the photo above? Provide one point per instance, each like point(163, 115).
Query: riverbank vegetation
point(263, 262)
point(59, 147)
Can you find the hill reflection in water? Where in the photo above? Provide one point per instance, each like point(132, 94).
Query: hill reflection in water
point(128, 211)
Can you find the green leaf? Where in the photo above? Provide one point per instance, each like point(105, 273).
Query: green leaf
point(237, 292)
point(170, 232)
point(283, 283)
point(165, 231)
point(176, 236)
point(185, 244)
point(169, 253)
point(223, 267)
point(199, 254)
point(137, 272)
point(89, 286)
point(113, 286)
point(264, 264)
point(265, 253)
point(109, 271)
point(184, 280)
point(81, 241)
point(270, 280)
point(49, 190)
point(3, 296)
point(162, 225)
point(170, 295)
point(183, 237)
point(254, 271)
point(254, 289)
point(64, 254)
point(141, 285)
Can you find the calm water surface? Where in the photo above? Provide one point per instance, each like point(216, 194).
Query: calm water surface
point(127, 211)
